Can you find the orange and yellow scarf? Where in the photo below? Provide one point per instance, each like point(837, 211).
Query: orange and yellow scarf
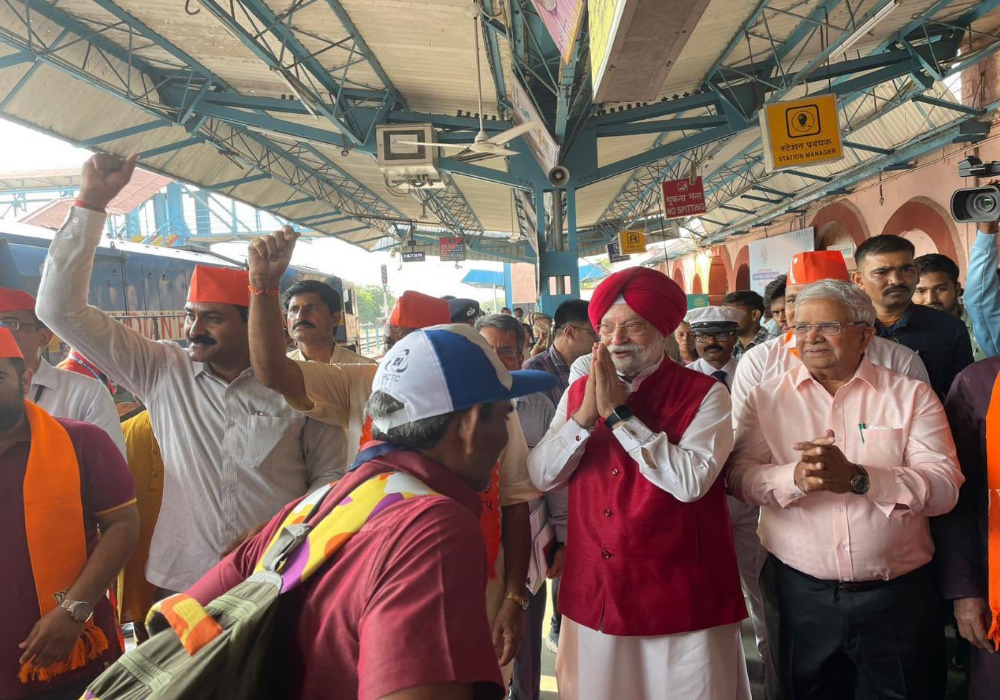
point(57, 541)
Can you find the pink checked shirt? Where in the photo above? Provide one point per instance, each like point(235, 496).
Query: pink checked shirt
point(906, 447)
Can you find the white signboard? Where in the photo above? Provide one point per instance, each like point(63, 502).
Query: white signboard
point(770, 257)
point(543, 147)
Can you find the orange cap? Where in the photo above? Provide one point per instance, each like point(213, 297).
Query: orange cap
point(814, 266)
point(219, 285)
point(416, 310)
point(8, 346)
point(16, 300)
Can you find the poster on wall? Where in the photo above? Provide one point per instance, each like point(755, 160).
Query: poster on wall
point(770, 257)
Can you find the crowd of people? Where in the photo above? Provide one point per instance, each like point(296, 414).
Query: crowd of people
point(821, 459)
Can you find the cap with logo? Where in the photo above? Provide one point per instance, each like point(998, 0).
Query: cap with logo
point(813, 266)
point(714, 319)
point(463, 310)
point(449, 368)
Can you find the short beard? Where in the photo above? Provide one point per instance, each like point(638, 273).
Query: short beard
point(643, 357)
point(10, 415)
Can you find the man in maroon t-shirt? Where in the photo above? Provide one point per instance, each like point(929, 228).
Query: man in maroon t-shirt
point(399, 611)
point(31, 641)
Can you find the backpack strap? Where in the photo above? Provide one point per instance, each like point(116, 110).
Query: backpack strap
point(300, 548)
point(189, 620)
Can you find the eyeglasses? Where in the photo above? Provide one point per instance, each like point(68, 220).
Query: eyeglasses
point(706, 337)
point(17, 326)
point(589, 329)
point(506, 352)
point(824, 329)
point(631, 328)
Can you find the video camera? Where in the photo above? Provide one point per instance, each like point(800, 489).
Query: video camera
point(976, 204)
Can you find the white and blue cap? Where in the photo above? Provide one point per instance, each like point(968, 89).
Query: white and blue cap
point(714, 319)
point(441, 369)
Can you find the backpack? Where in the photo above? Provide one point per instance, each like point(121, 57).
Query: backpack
point(225, 650)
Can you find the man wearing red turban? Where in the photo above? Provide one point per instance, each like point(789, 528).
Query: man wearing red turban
point(233, 452)
point(650, 573)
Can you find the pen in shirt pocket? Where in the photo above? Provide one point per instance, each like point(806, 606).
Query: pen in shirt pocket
point(861, 429)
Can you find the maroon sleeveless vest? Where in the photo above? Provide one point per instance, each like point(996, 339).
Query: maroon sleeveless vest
point(639, 562)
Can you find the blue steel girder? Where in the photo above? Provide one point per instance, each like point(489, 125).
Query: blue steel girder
point(451, 209)
point(937, 47)
point(129, 69)
point(851, 91)
point(255, 25)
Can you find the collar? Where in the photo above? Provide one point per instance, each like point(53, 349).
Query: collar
point(642, 376)
point(556, 357)
point(203, 368)
point(865, 372)
point(377, 456)
point(46, 375)
point(901, 323)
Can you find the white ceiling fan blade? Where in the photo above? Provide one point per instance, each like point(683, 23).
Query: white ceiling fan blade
point(476, 156)
point(457, 146)
point(511, 134)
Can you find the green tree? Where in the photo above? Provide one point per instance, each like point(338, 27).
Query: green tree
point(372, 303)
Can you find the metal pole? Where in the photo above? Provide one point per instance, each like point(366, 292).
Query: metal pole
point(557, 234)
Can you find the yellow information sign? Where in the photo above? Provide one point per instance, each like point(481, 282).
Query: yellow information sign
point(801, 132)
point(631, 242)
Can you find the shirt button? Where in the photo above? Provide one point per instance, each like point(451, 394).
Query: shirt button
point(607, 512)
point(839, 406)
point(843, 546)
point(578, 438)
point(615, 472)
point(840, 509)
point(606, 554)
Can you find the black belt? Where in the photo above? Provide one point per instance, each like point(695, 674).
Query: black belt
point(855, 586)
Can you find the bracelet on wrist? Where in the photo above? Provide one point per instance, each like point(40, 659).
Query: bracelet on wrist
point(263, 292)
point(85, 205)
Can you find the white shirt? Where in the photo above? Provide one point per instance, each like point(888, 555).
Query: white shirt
point(233, 453)
point(701, 365)
point(685, 470)
point(64, 394)
point(775, 357)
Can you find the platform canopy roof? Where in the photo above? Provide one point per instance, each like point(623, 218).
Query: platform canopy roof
point(275, 103)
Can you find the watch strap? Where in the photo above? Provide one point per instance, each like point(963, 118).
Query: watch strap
point(619, 415)
point(521, 600)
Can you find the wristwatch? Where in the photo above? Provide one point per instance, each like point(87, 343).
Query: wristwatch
point(77, 609)
point(860, 483)
point(521, 600)
point(619, 415)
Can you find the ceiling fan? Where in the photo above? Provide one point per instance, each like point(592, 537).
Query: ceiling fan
point(483, 146)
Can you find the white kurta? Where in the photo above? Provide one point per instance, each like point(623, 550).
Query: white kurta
point(65, 394)
point(705, 664)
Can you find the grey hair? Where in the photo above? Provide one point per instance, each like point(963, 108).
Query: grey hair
point(504, 324)
point(419, 435)
point(859, 305)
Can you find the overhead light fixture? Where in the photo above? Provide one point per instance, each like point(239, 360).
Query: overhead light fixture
point(869, 24)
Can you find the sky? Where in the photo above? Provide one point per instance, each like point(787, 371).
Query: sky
point(29, 150)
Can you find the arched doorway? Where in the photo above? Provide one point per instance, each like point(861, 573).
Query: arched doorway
point(696, 287)
point(678, 276)
point(924, 223)
point(841, 221)
point(837, 237)
point(717, 281)
point(743, 277)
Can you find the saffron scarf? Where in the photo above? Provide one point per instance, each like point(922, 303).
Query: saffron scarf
point(57, 541)
point(993, 491)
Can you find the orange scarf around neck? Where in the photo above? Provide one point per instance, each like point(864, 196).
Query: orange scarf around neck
point(57, 541)
point(993, 492)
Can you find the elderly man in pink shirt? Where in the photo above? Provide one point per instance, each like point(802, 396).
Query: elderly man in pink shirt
point(848, 461)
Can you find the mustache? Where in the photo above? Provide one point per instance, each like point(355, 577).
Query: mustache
point(713, 347)
point(897, 288)
point(627, 347)
point(201, 340)
point(303, 324)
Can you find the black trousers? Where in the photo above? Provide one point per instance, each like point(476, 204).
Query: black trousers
point(832, 643)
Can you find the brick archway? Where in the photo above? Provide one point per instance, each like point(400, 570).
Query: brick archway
point(741, 261)
point(927, 216)
point(742, 278)
point(718, 281)
point(678, 275)
point(696, 286)
point(838, 217)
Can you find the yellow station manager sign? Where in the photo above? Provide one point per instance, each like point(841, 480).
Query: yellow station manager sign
point(801, 132)
point(631, 242)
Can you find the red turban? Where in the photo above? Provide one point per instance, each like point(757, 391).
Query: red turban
point(8, 346)
point(649, 293)
point(219, 285)
point(813, 266)
point(416, 310)
point(16, 300)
